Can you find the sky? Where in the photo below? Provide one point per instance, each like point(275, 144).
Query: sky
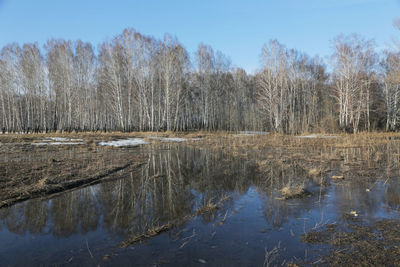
point(238, 28)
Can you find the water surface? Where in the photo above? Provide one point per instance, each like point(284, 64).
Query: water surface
point(86, 226)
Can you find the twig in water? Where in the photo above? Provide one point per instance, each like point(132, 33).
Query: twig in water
point(190, 237)
point(386, 181)
point(184, 244)
point(213, 234)
point(87, 245)
point(224, 219)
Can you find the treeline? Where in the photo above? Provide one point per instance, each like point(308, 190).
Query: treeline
point(138, 83)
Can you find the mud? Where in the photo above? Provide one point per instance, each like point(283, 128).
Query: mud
point(29, 171)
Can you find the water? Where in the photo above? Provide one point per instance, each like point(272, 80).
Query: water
point(86, 226)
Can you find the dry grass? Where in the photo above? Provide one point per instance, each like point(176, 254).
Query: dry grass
point(148, 234)
point(314, 172)
point(360, 155)
point(31, 171)
point(206, 208)
point(154, 231)
point(294, 191)
point(376, 245)
point(270, 255)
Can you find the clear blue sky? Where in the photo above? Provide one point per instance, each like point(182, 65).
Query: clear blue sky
point(238, 28)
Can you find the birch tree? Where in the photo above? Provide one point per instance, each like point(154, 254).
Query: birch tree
point(353, 63)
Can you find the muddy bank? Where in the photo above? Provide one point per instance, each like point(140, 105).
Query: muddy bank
point(36, 165)
point(29, 171)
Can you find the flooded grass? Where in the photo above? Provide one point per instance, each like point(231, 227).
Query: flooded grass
point(148, 234)
point(207, 208)
point(294, 191)
point(31, 172)
point(266, 199)
point(376, 245)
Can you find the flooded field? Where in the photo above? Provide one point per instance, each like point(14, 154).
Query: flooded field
point(223, 200)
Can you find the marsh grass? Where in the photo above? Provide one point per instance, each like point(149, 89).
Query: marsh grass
point(358, 155)
point(283, 165)
point(271, 255)
point(314, 172)
point(34, 171)
point(206, 208)
point(154, 228)
point(152, 232)
point(294, 191)
point(212, 206)
point(376, 245)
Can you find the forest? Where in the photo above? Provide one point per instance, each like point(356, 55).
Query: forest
point(135, 82)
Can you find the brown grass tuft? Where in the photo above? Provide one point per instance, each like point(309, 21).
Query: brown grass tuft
point(294, 191)
point(314, 172)
point(206, 208)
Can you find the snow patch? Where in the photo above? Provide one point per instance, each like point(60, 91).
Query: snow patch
point(58, 143)
point(61, 139)
point(174, 139)
point(317, 136)
point(13, 133)
point(241, 133)
point(127, 142)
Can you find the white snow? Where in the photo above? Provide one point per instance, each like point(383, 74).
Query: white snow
point(250, 133)
point(19, 132)
point(174, 139)
point(61, 139)
point(12, 133)
point(58, 143)
point(317, 136)
point(127, 142)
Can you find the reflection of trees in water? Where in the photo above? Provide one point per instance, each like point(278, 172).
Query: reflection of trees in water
point(355, 196)
point(371, 179)
point(31, 216)
point(277, 212)
point(155, 196)
point(364, 167)
point(73, 212)
point(175, 182)
point(385, 157)
point(274, 175)
point(178, 179)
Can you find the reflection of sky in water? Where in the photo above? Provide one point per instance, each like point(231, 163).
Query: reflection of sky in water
point(97, 218)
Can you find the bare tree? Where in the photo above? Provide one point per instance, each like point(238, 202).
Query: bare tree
point(353, 61)
point(137, 82)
